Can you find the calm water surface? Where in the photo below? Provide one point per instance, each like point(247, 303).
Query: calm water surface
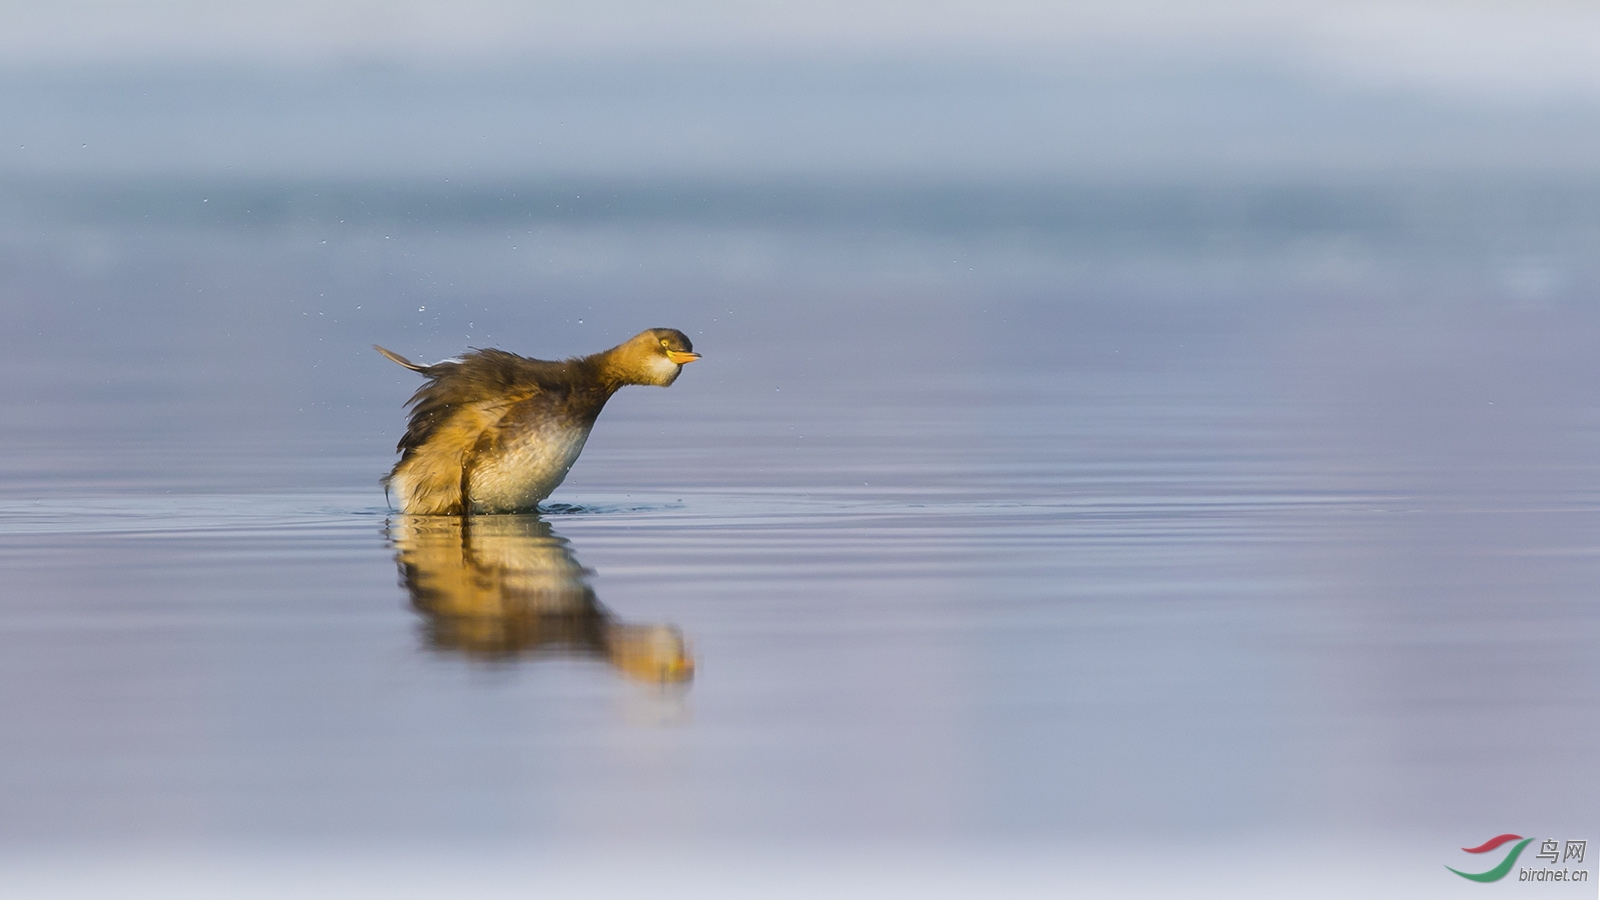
point(1254, 556)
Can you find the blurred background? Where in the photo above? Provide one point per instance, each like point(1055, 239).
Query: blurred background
point(430, 174)
point(1132, 437)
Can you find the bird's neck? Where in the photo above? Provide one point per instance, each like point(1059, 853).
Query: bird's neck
point(610, 369)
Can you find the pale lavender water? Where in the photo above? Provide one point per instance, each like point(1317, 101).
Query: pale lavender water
point(1246, 553)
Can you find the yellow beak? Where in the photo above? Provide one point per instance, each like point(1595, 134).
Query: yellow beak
point(682, 356)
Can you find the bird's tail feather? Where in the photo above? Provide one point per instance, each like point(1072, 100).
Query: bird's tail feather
point(395, 357)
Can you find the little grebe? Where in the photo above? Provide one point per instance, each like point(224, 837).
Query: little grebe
point(494, 432)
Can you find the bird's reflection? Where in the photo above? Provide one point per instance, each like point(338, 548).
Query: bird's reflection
point(502, 586)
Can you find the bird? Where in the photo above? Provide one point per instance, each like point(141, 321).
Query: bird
point(492, 432)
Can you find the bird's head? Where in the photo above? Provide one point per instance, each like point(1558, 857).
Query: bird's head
point(653, 357)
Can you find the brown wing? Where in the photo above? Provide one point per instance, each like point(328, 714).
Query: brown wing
point(481, 376)
point(450, 413)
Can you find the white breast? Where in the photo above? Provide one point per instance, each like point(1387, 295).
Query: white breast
point(528, 471)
